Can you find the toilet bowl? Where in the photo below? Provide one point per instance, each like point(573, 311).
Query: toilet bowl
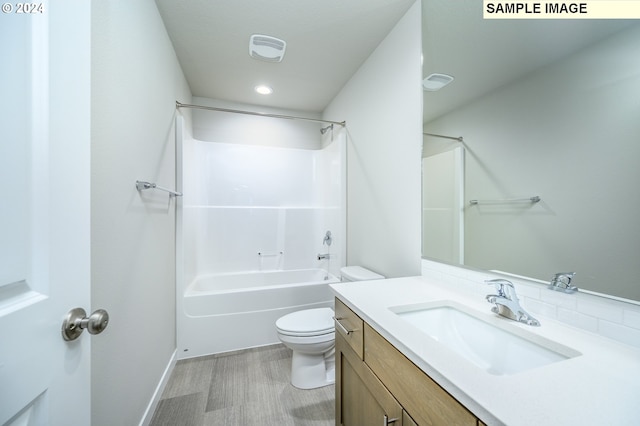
point(310, 333)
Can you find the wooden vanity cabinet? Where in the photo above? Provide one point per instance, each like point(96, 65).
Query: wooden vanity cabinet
point(383, 382)
point(361, 399)
point(427, 402)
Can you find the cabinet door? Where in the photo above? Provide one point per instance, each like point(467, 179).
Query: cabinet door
point(426, 402)
point(407, 420)
point(361, 399)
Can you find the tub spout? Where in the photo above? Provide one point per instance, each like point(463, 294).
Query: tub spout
point(324, 256)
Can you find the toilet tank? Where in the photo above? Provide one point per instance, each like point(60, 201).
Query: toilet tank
point(358, 273)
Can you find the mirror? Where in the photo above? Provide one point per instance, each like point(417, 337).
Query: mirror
point(546, 109)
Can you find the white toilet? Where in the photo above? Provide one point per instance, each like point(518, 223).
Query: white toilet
point(310, 333)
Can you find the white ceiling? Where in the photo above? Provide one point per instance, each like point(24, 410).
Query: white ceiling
point(327, 41)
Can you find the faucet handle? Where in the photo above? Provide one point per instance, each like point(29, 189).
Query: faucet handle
point(327, 239)
point(562, 282)
point(500, 284)
point(564, 277)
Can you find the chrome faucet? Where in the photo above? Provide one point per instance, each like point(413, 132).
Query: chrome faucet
point(327, 240)
point(507, 303)
point(562, 282)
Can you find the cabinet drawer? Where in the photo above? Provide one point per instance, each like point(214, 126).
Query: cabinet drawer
point(423, 398)
point(350, 326)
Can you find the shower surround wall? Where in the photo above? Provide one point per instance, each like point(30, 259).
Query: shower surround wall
point(248, 209)
point(253, 208)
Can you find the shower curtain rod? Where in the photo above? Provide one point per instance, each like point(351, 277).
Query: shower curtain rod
point(459, 138)
point(261, 114)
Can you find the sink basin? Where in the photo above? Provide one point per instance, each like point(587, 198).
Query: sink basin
point(490, 343)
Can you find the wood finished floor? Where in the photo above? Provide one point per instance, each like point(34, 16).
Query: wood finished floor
point(243, 388)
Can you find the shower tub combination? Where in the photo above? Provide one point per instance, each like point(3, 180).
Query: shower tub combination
point(230, 311)
point(252, 243)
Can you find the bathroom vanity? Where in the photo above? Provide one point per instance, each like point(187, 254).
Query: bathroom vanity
point(386, 386)
point(390, 370)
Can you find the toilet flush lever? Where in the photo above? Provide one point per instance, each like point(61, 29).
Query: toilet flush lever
point(76, 321)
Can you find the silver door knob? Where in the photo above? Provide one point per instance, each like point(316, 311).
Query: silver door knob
point(76, 321)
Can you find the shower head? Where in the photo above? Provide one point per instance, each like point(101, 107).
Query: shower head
point(324, 129)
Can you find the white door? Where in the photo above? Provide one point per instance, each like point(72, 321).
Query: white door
point(44, 211)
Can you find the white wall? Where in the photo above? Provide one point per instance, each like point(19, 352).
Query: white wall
point(136, 80)
point(382, 105)
point(568, 133)
point(217, 126)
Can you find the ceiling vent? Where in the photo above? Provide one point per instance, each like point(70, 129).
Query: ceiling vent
point(266, 48)
point(436, 82)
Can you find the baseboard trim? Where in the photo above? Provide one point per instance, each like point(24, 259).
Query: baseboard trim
point(155, 399)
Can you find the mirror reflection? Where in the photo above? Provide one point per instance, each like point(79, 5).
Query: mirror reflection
point(546, 109)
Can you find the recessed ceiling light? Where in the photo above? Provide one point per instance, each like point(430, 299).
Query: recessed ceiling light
point(264, 90)
point(436, 82)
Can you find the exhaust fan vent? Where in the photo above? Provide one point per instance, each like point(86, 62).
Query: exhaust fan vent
point(266, 48)
point(436, 82)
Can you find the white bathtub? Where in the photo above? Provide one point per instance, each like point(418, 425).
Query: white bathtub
point(236, 293)
point(225, 312)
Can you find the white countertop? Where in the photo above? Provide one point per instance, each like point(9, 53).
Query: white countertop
point(599, 387)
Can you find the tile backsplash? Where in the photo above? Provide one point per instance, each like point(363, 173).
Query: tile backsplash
point(616, 319)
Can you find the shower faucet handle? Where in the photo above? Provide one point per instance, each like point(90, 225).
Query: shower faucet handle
point(327, 239)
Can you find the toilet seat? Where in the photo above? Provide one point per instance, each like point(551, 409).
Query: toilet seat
point(309, 322)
